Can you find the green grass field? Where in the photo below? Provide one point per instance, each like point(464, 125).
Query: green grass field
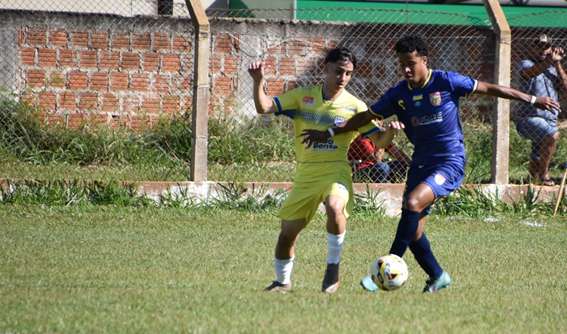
point(85, 269)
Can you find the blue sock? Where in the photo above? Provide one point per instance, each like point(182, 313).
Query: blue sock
point(406, 230)
point(424, 256)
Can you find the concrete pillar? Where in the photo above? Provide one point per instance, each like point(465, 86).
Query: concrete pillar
point(501, 111)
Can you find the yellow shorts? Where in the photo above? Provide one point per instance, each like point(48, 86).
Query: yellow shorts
point(305, 197)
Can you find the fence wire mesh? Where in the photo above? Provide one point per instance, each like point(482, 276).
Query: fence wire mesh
point(121, 66)
point(125, 65)
point(294, 51)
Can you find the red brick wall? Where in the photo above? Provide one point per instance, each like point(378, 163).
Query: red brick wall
point(286, 63)
point(95, 77)
point(82, 74)
point(294, 56)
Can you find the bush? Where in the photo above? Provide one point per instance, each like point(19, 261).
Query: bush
point(251, 141)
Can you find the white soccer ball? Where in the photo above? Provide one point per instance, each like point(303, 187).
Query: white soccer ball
point(389, 272)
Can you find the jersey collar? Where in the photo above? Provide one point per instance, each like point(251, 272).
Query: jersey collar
point(425, 83)
point(332, 101)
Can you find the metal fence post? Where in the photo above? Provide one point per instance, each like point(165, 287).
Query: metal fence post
point(199, 140)
point(501, 112)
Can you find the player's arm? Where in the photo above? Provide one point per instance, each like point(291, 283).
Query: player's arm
point(264, 104)
point(545, 103)
point(358, 121)
point(383, 138)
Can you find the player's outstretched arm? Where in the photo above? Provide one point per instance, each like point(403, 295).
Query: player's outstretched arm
point(358, 121)
point(545, 103)
point(263, 104)
point(383, 138)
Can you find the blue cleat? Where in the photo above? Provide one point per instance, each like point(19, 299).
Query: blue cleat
point(368, 284)
point(434, 285)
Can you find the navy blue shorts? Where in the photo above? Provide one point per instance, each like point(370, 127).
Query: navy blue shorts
point(442, 177)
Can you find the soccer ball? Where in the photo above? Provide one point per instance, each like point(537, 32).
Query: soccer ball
point(389, 272)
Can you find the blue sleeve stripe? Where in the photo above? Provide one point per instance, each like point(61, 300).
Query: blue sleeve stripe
point(289, 113)
point(368, 133)
point(278, 104)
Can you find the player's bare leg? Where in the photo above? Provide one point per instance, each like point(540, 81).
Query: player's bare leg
point(336, 227)
point(285, 254)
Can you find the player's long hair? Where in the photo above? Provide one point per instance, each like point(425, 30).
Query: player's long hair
point(341, 54)
point(411, 43)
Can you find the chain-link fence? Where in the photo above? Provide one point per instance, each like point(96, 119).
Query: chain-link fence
point(87, 66)
point(127, 64)
point(113, 70)
point(294, 52)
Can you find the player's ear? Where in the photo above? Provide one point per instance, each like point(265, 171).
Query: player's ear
point(326, 69)
point(424, 60)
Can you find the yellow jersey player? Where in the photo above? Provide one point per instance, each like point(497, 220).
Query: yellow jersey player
point(323, 174)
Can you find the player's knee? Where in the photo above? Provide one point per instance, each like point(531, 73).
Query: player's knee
point(412, 204)
point(335, 210)
point(334, 206)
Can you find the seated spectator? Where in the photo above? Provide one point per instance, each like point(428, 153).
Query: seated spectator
point(369, 166)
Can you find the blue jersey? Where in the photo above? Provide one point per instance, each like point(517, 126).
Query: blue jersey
point(430, 114)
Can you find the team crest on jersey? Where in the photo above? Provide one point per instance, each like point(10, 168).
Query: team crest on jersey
point(435, 98)
point(308, 100)
point(338, 120)
point(440, 179)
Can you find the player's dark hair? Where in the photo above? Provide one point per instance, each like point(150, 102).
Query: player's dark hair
point(411, 43)
point(341, 54)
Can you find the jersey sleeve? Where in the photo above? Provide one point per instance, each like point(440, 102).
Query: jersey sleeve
point(369, 129)
point(287, 103)
point(383, 108)
point(462, 84)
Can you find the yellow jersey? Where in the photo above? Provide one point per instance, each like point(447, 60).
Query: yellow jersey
point(308, 110)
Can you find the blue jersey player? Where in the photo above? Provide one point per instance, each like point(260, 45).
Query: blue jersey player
point(427, 103)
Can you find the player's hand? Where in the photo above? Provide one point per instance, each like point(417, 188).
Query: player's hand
point(547, 103)
point(395, 126)
point(256, 70)
point(312, 136)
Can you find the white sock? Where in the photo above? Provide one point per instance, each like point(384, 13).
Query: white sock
point(283, 269)
point(335, 245)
